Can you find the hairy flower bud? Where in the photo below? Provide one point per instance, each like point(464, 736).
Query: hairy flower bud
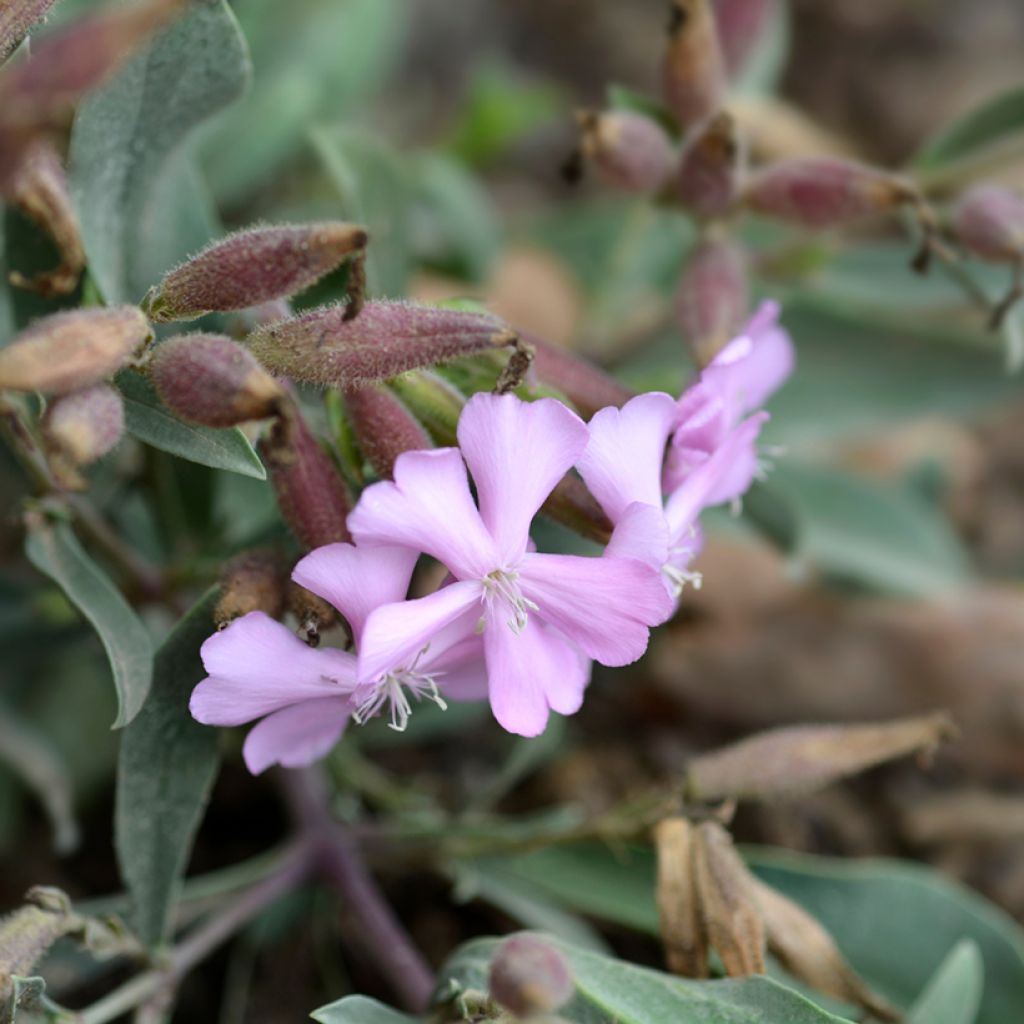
point(212, 380)
point(311, 493)
point(712, 297)
point(383, 426)
point(28, 933)
point(529, 976)
point(387, 338)
point(629, 150)
point(254, 580)
point(69, 351)
point(587, 386)
point(682, 930)
point(708, 178)
point(17, 18)
point(741, 24)
point(39, 189)
point(989, 222)
point(804, 758)
point(81, 427)
point(252, 267)
point(693, 75)
point(435, 402)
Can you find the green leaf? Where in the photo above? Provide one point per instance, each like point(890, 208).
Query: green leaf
point(954, 993)
point(996, 120)
point(610, 991)
point(165, 772)
point(140, 201)
point(359, 1010)
point(29, 1004)
point(54, 550)
point(149, 420)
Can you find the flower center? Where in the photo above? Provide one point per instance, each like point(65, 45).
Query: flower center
point(394, 689)
point(503, 596)
point(676, 570)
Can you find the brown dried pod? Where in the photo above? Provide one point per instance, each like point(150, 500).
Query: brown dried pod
point(212, 380)
point(253, 267)
point(729, 912)
point(682, 929)
point(387, 338)
point(80, 428)
point(313, 613)
point(693, 75)
point(586, 385)
point(254, 580)
point(707, 182)
point(384, 426)
point(630, 151)
point(712, 298)
point(804, 758)
point(529, 976)
point(70, 351)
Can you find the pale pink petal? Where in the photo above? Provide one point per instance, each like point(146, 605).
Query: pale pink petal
point(462, 671)
point(296, 735)
point(532, 672)
point(357, 580)
point(429, 508)
point(641, 533)
point(604, 605)
point(704, 419)
point(737, 461)
point(257, 666)
point(623, 459)
point(396, 634)
point(517, 451)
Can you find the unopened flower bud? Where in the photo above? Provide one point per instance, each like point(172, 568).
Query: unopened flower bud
point(682, 931)
point(17, 18)
point(39, 189)
point(712, 298)
point(311, 493)
point(69, 351)
point(730, 916)
point(529, 976)
point(312, 612)
point(436, 403)
point(804, 758)
point(708, 179)
point(252, 581)
point(387, 338)
point(572, 505)
point(629, 150)
point(383, 426)
point(81, 427)
point(212, 380)
point(587, 386)
point(253, 267)
point(989, 222)
point(693, 76)
point(741, 25)
point(28, 933)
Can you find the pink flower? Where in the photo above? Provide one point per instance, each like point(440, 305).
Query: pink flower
point(540, 615)
point(258, 669)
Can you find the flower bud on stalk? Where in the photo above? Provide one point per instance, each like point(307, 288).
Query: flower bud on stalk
point(693, 76)
point(17, 18)
point(529, 977)
point(212, 380)
point(708, 178)
point(682, 931)
point(587, 386)
point(629, 150)
point(388, 338)
point(252, 267)
point(252, 581)
point(383, 426)
point(80, 428)
point(70, 351)
point(39, 189)
point(712, 298)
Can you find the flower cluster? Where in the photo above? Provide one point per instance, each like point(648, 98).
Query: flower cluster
point(509, 623)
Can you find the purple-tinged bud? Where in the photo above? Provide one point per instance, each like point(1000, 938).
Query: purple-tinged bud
point(435, 402)
point(212, 380)
point(17, 18)
point(587, 386)
point(693, 76)
point(712, 297)
point(572, 505)
point(81, 427)
point(741, 24)
point(324, 347)
point(70, 351)
point(311, 492)
point(39, 189)
point(630, 151)
point(989, 222)
point(384, 427)
point(252, 581)
point(529, 976)
point(708, 178)
point(252, 267)
point(243, 322)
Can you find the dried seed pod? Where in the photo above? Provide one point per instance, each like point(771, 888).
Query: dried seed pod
point(17, 19)
point(80, 428)
point(712, 298)
point(387, 338)
point(39, 189)
point(630, 151)
point(729, 913)
point(436, 403)
point(587, 386)
point(682, 930)
point(252, 267)
point(529, 976)
point(311, 493)
point(804, 758)
point(313, 613)
point(741, 24)
point(572, 505)
point(212, 380)
point(28, 933)
point(693, 76)
point(383, 426)
point(252, 581)
point(808, 952)
point(70, 351)
point(707, 182)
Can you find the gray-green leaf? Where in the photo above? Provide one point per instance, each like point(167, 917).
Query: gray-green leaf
point(954, 993)
point(359, 1010)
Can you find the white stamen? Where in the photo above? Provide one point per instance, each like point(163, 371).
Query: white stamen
point(679, 578)
point(501, 588)
point(391, 689)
